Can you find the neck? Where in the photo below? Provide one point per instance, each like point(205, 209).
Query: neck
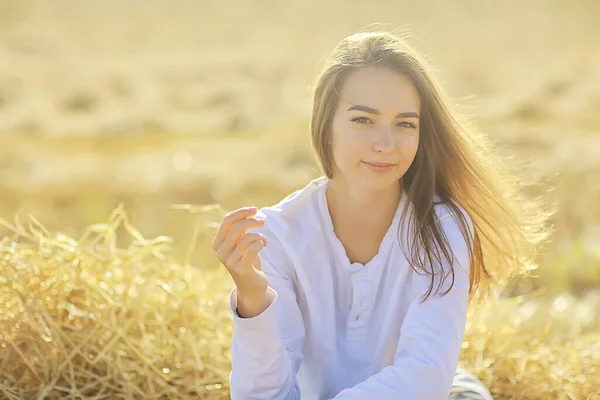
point(355, 207)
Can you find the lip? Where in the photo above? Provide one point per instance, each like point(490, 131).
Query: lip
point(379, 167)
point(379, 164)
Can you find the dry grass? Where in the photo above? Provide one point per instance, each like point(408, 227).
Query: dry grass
point(87, 318)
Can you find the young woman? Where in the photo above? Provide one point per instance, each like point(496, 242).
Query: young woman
point(357, 285)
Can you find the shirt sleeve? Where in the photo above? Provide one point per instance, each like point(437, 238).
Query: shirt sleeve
point(266, 350)
point(430, 338)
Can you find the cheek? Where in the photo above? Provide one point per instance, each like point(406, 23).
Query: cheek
point(408, 144)
point(346, 152)
point(348, 143)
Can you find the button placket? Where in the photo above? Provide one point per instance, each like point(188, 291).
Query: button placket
point(357, 299)
point(358, 303)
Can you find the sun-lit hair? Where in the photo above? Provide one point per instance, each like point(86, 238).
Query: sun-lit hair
point(453, 161)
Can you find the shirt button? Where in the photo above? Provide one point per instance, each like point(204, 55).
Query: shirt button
point(357, 317)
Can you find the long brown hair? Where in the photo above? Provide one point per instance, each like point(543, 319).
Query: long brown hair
point(453, 162)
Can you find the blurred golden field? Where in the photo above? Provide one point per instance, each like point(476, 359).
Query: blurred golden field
point(169, 106)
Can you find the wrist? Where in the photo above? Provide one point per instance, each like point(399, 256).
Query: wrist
point(251, 293)
point(251, 304)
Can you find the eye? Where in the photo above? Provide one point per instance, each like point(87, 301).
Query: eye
point(407, 124)
point(361, 119)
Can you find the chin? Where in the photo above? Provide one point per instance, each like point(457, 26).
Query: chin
point(381, 183)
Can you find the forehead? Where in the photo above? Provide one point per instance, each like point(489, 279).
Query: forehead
point(381, 88)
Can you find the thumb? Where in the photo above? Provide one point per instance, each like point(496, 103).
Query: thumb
point(258, 264)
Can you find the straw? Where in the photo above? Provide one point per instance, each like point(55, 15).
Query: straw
point(91, 318)
point(87, 319)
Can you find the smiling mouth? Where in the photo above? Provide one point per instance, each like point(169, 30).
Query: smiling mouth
point(379, 164)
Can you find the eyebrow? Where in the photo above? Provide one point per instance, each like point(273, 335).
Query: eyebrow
point(410, 114)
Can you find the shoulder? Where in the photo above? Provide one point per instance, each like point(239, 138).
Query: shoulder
point(291, 219)
point(297, 210)
point(457, 227)
point(456, 269)
point(449, 216)
point(453, 219)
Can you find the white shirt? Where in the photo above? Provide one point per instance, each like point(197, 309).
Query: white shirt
point(336, 329)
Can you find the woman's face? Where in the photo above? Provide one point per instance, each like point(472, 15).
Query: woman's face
point(376, 121)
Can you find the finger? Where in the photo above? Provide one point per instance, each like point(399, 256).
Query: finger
point(237, 231)
point(243, 245)
point(245, 265)
point(245, 232)
point(227, 221)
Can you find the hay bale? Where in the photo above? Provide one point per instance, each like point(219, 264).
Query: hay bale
point(93, 319)
point(536, 347)
point(86, 319)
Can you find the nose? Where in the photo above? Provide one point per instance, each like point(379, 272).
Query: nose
point(384, 142)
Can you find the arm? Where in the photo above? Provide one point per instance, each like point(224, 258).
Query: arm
point(266, 349)
point(431, 337)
